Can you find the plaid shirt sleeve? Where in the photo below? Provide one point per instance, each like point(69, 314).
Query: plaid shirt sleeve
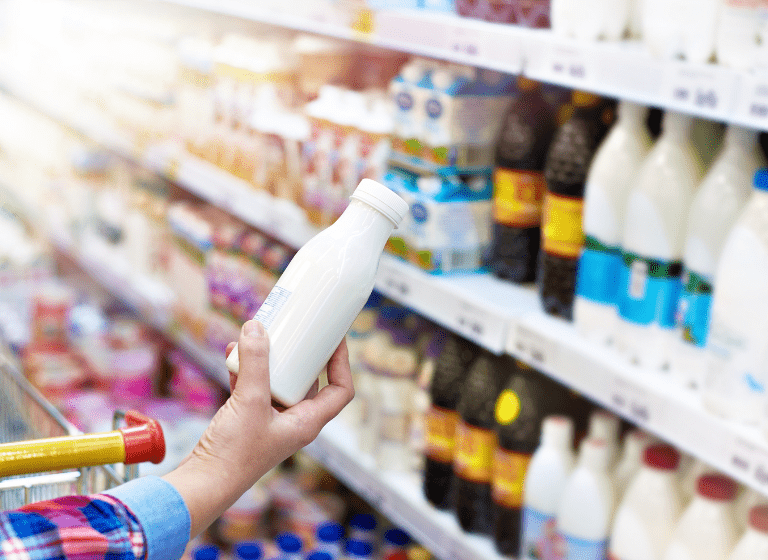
point(72, 528)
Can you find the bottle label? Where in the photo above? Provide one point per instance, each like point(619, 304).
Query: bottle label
point(561, 226)
point(475, 448)
point(441, 433)
point(650, 289)
point(574, 548)
point(693, 309)
point(272, 306)
point(509, 470)
point(518, 197)
point(599, 272)
point(538, 536)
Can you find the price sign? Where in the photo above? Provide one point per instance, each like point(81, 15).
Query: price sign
point(570, 64)
point(534, 348)
point(700, 89)
point(467, 42)
point(393, 283)
point(750, 460)
point(634, 402)
point(752, 105)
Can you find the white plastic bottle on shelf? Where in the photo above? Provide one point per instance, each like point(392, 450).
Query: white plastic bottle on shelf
point(717, 204)
point(367, 396)
point(690, 475)
point(737, 373)
point(323, 289)
point(545, 480)
point(647, 515)
point(706, 530)
point(407, 94)
point(739, 31)
point(610, 177)
point(586, 507)
point(397, 389)
point(747, 499)
point(565, 17)
point(605, 426)
point(601, 19)
point(654, 234)
point(680, 28)
point(632, 453)
point(636, 18)
point(754, 544)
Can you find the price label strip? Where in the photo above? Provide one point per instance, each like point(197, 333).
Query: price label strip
point(752, 103)
point(707, 91)
point(465, 41)
point(480, 325)
point(636, 403)
point(394, 284)
point(534, 348)
point(570, 64)
point(750, 461)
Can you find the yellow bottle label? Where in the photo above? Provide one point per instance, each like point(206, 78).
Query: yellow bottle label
point(509, 470)
point(518, 197)
point(474, 453)
point(441, 434)
point(561, 231)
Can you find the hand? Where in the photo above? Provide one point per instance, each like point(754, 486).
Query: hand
point(248, 436)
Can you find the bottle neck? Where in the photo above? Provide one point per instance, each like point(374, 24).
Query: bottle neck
point(363, 220)
point(677, 126)
point(632, 115)
point(656, 476)
point(738, 138)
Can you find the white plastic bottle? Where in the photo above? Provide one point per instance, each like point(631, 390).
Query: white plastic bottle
point(610, 177)
point(647, 515)
point(706, 530)
point(602, 19)
point(565, 18)
point(605, 426)
point(739, 31)
point(586, 508)
point(632, 453)
point(737, 373)
point(754, 544)
point(680, 28)
point(545, 480)
point(323, 289)
point(654, 233)
point(397, 389)
point(690, 475)
point(747, 500)
point(718, 202)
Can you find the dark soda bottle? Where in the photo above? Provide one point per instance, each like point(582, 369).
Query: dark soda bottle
point(562, 237)
point(476, 445)
point(527, 398)
point(519, 185)
point(451, 369)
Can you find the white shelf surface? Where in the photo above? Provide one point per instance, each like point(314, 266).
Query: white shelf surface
point(399, 496)
point(625, 70)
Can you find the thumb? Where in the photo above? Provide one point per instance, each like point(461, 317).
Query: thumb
point(253, 377)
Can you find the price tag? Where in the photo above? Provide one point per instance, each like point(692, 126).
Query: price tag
point(752, 105)
point(394, 284)
point(701, 90)
point(741, 457)
point(634, 402)
point(467, 42)
point(534, 348)
point(570, 64)
point(471, 321)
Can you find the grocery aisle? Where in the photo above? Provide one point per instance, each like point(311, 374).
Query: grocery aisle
point(561, 251)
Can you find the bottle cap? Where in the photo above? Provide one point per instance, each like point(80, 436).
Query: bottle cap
point(761, 179)
point(717, 487)
point(320, 555)
point(359, 548)
point(249, 551)
point(208, 552)
point(557, 431)
point(364, 521)
point(758, 518)
point(288, 542)
point(330, 532)
point(418, 553)
point(664, 457)
point(397, 537)
point(382, 199)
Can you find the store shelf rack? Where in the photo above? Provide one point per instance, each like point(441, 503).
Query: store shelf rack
point(625, 70)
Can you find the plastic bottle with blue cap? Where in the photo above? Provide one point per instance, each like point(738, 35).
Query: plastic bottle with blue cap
point(207, 552)
point(359, 550)
point(249, 551)
point(737, 371)
point(290, 546)
point(330, 539)
point(395, 543)
point(314, 302)
point(362, 527)
point(320, 555)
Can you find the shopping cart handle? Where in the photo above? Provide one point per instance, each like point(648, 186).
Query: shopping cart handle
point(143, 439)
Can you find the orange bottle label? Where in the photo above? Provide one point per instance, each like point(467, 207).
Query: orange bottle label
point(441, 434)
point(518, 197)
point(509, 470)
point(561, 230)
point(474, 453)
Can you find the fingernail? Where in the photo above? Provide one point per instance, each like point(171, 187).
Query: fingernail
point(253, 328)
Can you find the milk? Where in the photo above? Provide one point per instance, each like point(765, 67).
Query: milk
point(605, 426)
point(680, 28)
point(740, 33)
point(610, 177)
point(648, 512)
point(738, 339)
point(598, 19)
point(654, 234)
point(754, 544)
point(545, 480)
point(705, 530)
point(717, 204)
point(586, 507)
point(633, 451)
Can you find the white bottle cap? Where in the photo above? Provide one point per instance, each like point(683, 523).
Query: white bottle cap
point(382, 199)
point(557, 431)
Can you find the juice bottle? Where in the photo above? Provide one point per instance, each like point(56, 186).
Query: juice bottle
point(519, 184)
point(450, 370)
point(476, 445)
point(568, 161)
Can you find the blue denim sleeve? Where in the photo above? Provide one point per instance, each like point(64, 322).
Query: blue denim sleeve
point(162, 513)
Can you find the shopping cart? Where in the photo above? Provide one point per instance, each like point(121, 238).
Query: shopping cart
point(73, 463)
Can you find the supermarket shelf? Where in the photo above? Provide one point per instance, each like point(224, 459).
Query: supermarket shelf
point(399, 496)
point(625, 70)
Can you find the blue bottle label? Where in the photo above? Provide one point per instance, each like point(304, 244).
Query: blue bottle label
point(599, 272)
point(694, 306)
point(650, 289)
point(579, 549)
point(538, 538)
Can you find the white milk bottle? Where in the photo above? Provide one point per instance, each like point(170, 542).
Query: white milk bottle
point(706, 530)
point(397, 389)
point(565, 17)
point(633, 451)
point(322, 290)
point(407, 99)
point(689, 477)
point(680, 28)
point(747, 500)
point(586, 508)
point(545, 480)
point(717, 204)
point(636, 18)
point(654, 233)
point(739, 32)
point(605, 426)
point(610, 177)
point(603, 19)
point(738, 338)
point(647, 515)
point(754, 544)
